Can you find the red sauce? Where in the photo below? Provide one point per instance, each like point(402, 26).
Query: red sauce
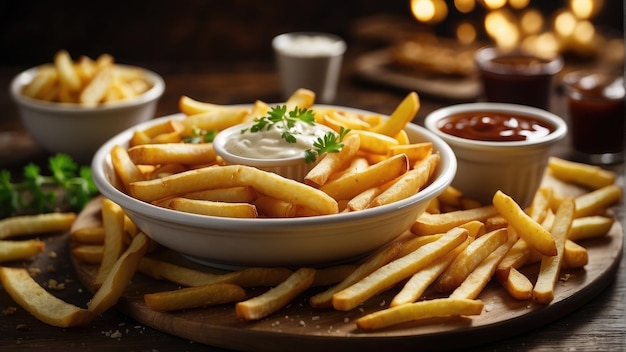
point(495, 126)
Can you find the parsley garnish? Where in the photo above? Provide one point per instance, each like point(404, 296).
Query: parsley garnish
point(330, 143)
point(40, 193)
point(200, 136)
point(278, 115)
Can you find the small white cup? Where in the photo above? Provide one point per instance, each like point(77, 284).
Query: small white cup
point(309, 60)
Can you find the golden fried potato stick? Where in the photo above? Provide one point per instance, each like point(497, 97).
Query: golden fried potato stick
point(194, 297)
point(97, 88)
point(301, 98)
point(176, 153)
point(401, 116)
point(349, 186)
point(42, 83)
point(27, 225)
point(119, 276)
point(375, 143)
point(233, 176)
point(190, 106)
point(88, 253)
point(332, 162)
point(427, 224)
point(469, 259)
point(540, 205)
point(476, 281)
point(408, 183)
point(277, 297)
point(16, 250)
point(124, 167)
point(325, 299)
point(397, 270)
point(88, 235)
point(590, 176)
point(212, 121)
point(589, 227)
point(543, 292)
point(517, 285)
point(67, 73)
point(114, 245)
point(415, 151)
point(211, 208)
point(333, 274)
point(575, 256)
point(433, 308)
point(420, 281)
point(259, 109)
point(231, 195)
point(597, 201)
point(527, 228)
point(274, 208)
point(36, 300)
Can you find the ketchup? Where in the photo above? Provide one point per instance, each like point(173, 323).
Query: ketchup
point(495, 126)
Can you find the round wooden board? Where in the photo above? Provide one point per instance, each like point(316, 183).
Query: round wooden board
point(311, 330)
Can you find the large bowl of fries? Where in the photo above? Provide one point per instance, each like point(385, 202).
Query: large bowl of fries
point(78, 121)
point(303, 240)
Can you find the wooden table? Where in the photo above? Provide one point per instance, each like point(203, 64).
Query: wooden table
point(598, 325)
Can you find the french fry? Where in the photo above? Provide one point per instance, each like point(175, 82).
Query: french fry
point(543, 291)
point(437, 223)
point(113, 222)
point(517, 285)
point(42, 83)
point(349, 186)
point(325, 299)
point(575, 256)
point(540, 204)
point(190, 106)
point(333, 274)
point(259, 109)
point(16, 250)
point(594, 202)
point(409, 183)
point(97, 88)
point(527, 228)
point(590, 227)
point(88, 235)
point(239, 194)
point(194, 297)
point(332, 162)
point(274, 208)
point(26, 225)
point(415, 152)
point(212, 121)
point(124, 167)
point(232, 176)
point(301, 98)
point(474, 283)
point(211, 208)
point(179, 153)
point(403, 114)
point(67, 73)
point(364, 199)
point(397, 270)
point(434, 308)
point(88, 253)
point(375, 143)
point(590, 176)
point(420, 281)
point(469, 259)
point(277, 297)
point(36, 300)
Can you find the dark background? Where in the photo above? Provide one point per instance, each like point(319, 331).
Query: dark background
point(195, 30)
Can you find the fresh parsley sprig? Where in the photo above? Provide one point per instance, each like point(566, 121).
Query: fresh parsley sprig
point(69, 186)
point(330, 143)
point(199, 135)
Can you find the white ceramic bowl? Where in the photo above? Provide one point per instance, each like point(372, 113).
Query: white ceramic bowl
point(79, 130)
point(311, 241)
point(484, 167)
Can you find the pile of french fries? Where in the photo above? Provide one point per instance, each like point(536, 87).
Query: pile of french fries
point(86, 81)
point(377, 165)
point(454, 249)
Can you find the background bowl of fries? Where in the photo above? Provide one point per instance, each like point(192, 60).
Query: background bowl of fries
point(513, 167)
point(79, 128)
point(297, 241)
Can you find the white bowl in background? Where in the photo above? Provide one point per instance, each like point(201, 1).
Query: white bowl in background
point(80, 130)
point(293, 242)
point(484, 167)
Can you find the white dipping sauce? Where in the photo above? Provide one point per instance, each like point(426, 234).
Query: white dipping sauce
point(269, 144)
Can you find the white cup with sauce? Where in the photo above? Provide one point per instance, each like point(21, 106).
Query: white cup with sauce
point(310, 60)
point(488, 161)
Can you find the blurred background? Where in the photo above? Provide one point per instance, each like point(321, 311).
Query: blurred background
point(201, 31)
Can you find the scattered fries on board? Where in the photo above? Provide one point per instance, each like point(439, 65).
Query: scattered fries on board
point(86, 81)
point(454, 249)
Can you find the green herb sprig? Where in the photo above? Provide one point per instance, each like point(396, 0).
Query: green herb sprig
point(278, 115)
point(68, 186)
point(200, 136)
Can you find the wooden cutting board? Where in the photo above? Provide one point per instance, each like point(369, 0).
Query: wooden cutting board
point(298, 325)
